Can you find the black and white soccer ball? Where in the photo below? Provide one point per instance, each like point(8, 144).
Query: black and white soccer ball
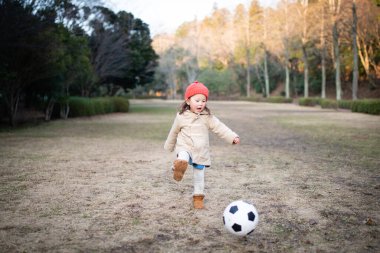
point(240, 218)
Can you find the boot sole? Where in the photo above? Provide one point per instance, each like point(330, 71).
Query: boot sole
point(198, 201)
point(180, 167)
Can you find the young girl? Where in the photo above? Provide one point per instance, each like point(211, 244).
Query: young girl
point(189, 137)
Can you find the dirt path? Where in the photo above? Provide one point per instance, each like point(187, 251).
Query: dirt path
point(103, 184)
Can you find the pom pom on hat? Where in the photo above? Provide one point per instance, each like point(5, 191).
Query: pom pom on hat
point(196, 88)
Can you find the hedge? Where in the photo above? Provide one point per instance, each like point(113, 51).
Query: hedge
point(370, 106)
point(278, 99)
point(345, 104)
point(328, 103)
point(82, 106)
point(274, 99)
point(309, 101)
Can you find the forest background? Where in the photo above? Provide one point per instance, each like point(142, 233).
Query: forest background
point(51, 51)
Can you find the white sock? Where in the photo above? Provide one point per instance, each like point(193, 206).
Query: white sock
point(199, 181)
point(183, 155)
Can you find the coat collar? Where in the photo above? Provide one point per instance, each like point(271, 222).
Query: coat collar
point(196, 114)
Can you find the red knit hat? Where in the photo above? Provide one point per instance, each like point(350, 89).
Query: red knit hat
point(196, 88)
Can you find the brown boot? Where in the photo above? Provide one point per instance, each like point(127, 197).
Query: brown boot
point(198, 201)
point(180, 167)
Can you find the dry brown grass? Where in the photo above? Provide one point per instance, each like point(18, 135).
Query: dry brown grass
point(104, 184)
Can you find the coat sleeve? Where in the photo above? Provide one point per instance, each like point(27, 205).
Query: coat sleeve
point(221, 130)
point(171, 140)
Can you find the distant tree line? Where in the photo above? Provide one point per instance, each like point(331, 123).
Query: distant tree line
point(301, 48)
point(53, 49)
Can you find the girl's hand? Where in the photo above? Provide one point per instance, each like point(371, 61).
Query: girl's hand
point(236, 140)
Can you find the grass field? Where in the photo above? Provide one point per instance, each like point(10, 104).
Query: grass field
point(104, 184)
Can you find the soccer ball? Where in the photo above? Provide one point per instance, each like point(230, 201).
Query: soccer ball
point(240, 218)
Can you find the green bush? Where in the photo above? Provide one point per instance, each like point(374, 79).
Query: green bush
point(78, 106)
point(345, 104)
point(328, 103)
point(309, 101)
point(83, 106)
point(103, 105)
point(252, 99)
point(370, 106)
point(120, 104)
point(278, 99)
point(274, 99)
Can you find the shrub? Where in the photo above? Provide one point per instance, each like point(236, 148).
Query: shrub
point(78, 106)
point(370, 106)
point(308, 101)
point(103, 105)
point(81, 106)
point(328, 103)
point(345, 104)
point(274, 99)
point(252, 99)
point(120, 104)
point(278, 99)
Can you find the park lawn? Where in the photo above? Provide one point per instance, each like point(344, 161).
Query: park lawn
point(104, 183)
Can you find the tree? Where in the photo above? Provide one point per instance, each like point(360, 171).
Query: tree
point(323, 47)
point(70, 71)
point(368, 40)
point(168, 69)
point(250, 43)
point(335, 9)
point(24, 51)
point(243, 42)
point(188, 50)
point(266, 75)
point(286, 53)
point(255, 37)
point(121, 49)
point(218, 33)
point(355, 72)
point(285, 21)
point(304, 39)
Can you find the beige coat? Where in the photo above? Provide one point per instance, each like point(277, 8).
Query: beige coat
point(190, 133)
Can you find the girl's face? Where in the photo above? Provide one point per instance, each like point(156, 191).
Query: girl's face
point(197, 103)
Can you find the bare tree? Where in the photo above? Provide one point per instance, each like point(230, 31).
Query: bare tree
point(368, 39)
point(217, 37)
point(303, 12)
point(266, 75)
point(335, 9)
point(286, 52)
point(283, 30)
point(355, 73)
point(242, 37)
point(323, 49)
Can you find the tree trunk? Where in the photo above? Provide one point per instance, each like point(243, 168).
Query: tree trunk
point(266, 76)
point(49, 109)
point(287, 72)
point(306, 72)
point(305, 4)
point(355, 74)
point(364, 59)
point(259, 78)
point(287, 81)
point(12, 100)
point(13, 107)
point(323, 63)
point(65, 109)
point(248, 53)
point(248, 74)
point(338, 83)
point(323, 55)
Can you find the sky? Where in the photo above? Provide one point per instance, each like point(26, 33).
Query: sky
point(165, 16)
